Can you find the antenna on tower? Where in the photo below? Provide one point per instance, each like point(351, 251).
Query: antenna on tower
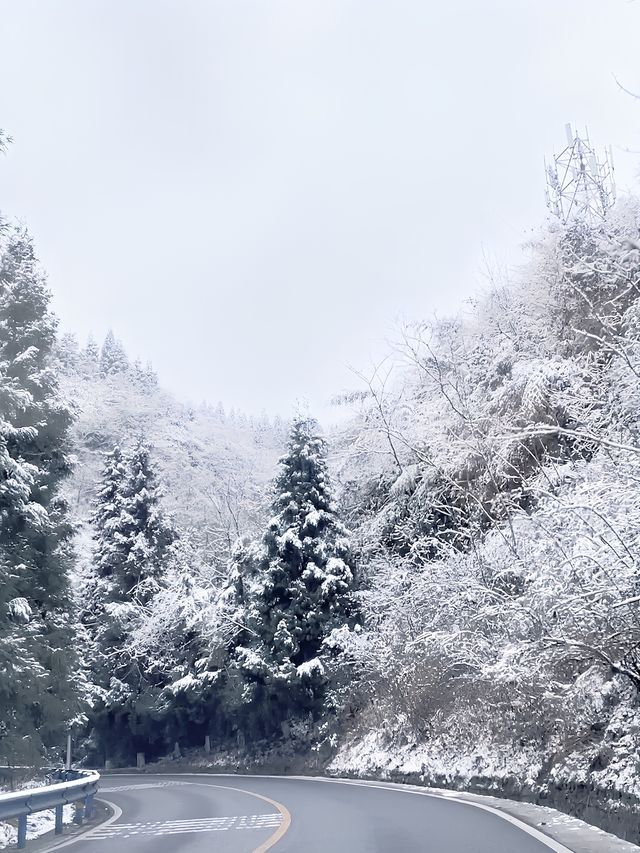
point(579, 185)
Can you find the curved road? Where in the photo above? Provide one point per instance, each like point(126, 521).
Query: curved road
point(253, 814)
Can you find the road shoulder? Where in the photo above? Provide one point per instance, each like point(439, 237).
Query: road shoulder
point(575, 834)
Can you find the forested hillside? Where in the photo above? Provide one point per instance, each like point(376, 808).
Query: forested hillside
point(447, 583)
point(492, 477)
point(215, 466)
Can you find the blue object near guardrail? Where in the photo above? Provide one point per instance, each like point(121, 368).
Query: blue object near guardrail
point(69, 786)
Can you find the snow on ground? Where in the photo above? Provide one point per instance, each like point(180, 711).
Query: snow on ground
point(37, 824)
point(374, 754)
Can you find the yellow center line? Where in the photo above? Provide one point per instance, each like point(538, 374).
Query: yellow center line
point(284, 811)
point(280, 831)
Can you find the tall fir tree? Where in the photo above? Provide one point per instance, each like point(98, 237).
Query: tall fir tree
point(37, 665)
point(132, 544)
point(89, 359)
point(110, 551)
point(68, 352)
point(113, 358)
point(292, 591)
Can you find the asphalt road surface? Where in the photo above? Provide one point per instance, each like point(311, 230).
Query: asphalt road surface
point(253, 814)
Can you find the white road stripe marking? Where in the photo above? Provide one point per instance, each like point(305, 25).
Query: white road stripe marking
point(282, 810)
point(117, 813)
point(251, 819)
point(190, 825)
point(141, 785)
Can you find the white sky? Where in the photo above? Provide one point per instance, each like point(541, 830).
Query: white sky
point(252, 192)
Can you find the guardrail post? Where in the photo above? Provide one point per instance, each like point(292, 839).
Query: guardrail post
point(88, 806)
point(79, 789)
point(22, 831)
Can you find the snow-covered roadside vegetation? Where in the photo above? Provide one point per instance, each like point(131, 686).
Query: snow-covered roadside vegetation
point(500, 537)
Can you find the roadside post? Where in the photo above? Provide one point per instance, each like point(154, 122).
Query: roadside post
point(22, 831)
point(59, 822)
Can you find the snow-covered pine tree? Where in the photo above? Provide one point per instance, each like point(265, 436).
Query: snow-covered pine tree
point(37, 663)
point(132, 541)
point(297, 588)
point(109, 553)
point(89, 359)
point(150, 378)
point(144, 377)
point(113, 358)
point(149, 532)
point(68, 352)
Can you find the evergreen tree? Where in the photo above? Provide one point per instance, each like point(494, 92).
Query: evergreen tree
point(37, 667)
point(109, 554)
point(292, 592)
point(113, 358)
point(151, 377)
point(68, 352)
point(132, 541)
point(144, 377)
point(90, 357)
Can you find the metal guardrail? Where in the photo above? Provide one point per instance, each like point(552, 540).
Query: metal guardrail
point(75, 786)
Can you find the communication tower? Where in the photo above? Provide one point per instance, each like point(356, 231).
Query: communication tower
point(579, 186)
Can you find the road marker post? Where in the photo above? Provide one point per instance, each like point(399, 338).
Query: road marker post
point(22, 831)
point(88, 807)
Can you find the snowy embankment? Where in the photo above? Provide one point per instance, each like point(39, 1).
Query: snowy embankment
point(374, 755)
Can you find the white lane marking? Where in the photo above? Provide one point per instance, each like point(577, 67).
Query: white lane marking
point(219, 819)
point(282, 812)
point(141, 785)
point(174, 827)
point(117, 813)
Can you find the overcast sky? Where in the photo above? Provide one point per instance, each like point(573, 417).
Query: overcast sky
point(252, 192)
